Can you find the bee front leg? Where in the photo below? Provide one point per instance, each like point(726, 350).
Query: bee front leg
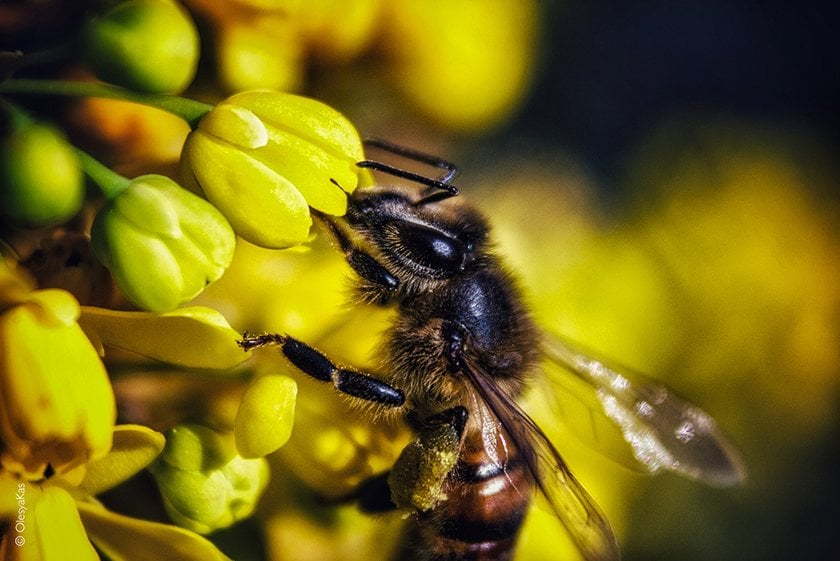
point(418, 476)
point(316, 364)
point(378, 285)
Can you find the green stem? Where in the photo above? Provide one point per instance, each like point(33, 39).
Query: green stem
point(109, 182)
point(188, 109)
point(18, 118)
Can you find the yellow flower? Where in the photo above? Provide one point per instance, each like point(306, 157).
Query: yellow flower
point(57, 404)
point(263, 158)
point(58, 518)
point(465, 63)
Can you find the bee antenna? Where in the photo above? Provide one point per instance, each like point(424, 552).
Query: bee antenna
point(440, 187)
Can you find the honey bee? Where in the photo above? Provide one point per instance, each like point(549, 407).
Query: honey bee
point(462, 349)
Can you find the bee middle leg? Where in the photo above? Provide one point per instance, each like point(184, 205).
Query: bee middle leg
point(316, 364)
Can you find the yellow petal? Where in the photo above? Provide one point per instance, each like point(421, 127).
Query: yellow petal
point(123, 538)
point(52, 529)
point(134, 448)
point(306, 118)
point(10, 488)
point(311, 170)
point(194, 337)
point(261, 206)
point(55, 306)
point(236, 125)
point(15, 286)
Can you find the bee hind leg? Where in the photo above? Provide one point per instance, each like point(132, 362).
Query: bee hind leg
point(419, 475)
point(417, 478)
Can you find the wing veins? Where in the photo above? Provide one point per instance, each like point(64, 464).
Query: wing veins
point(664, 430)
point(569, 501)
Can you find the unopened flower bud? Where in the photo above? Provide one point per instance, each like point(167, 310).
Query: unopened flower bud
point(263, 158)
point(205, 485)
point(41, 182)
point(146, 45)
point(266, 415)
point(162, 244)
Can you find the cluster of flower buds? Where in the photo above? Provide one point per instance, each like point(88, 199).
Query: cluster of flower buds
point(254, 167)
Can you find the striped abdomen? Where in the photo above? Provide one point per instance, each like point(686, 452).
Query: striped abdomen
point(481, 517)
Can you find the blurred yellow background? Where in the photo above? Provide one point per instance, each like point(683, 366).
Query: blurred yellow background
point(664, 180)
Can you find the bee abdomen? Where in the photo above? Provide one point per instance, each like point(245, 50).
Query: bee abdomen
point(481, 517)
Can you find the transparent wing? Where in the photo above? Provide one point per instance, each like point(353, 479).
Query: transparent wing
point(663, 430)
point(569, 501)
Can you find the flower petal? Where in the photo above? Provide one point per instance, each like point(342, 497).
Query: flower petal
point(148, 208)
point(263, 207)
point(134, 448)
point(142, 266)
point(306, 118)
point(193, 337)
point(236, 125)
point(53, 530)
point(318, 174)
point(123, 538)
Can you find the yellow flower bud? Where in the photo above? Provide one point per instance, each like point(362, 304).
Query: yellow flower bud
point(146, 45)
point(263, 158)
point(162, 244)
point(41, 181)
point(205, 485)
point(340, 31)
point(260, 52)
point(266, 415)
point(57, 403)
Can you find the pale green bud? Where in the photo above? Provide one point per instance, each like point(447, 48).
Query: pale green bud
point(41, 181)
point(205, 485)
point(162, 244)
point(145, 45)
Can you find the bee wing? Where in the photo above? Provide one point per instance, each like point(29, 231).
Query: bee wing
point(664, 431)
point(567, 498)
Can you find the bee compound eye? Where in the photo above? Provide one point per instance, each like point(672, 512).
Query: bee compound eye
point(429, 248)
